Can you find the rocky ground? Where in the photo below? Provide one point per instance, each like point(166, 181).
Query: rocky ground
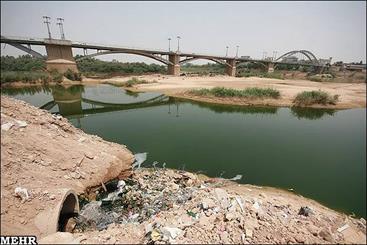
point(41, 152)
point(196, 209)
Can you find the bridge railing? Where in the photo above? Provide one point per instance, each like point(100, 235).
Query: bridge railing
point(23, 38)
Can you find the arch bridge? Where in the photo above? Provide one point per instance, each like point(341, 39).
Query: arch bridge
point(60, 56)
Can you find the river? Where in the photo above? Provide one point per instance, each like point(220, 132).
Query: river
point(318, 153)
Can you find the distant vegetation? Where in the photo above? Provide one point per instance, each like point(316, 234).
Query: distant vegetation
point(29, 69)
point(92, 66)
point(315, 97)
point(22, 63)
point(228, 92)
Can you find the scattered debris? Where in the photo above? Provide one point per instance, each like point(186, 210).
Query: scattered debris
point(237, 177)
point(7, 126)
point(21, 124)
point(344, 227)
point(171, 232)
point(139, 159)
point(22, 193)
point(305, 211)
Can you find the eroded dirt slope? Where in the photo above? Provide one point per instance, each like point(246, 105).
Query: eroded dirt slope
point(42, 153)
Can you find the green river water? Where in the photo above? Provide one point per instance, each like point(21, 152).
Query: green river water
point(318, 153)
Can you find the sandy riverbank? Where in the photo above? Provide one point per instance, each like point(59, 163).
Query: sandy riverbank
point(42, 153)
point(351, 95)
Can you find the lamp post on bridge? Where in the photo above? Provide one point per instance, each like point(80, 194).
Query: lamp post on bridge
point(60, 24)
point(47, 22)
point(178, 44)
point(227, 51)
point(274, 55)
point(169, 44)
point(237, 51)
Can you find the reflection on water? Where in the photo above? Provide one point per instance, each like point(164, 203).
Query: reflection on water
point(69, 102)
point(309, 150)
point(310, 113)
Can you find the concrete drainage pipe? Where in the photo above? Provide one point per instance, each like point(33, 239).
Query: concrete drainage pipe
point(55, 218)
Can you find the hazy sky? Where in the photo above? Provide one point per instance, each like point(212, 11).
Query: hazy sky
point(328, 29)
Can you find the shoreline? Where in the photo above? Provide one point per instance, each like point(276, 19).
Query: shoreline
point(351, 95)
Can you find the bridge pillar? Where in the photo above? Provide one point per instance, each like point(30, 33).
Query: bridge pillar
point(270, 67)
point(60, 56)
point(174, 68)
point(231, 67)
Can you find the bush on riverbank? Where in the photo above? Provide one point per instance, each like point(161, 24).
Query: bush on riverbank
point(73, 76)
point(315, 97)
point(134, 81)
point(229, 92)
point(23, 76)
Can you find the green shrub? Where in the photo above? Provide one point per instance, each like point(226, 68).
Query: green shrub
point(228, 92)
point(73, 76)
point(134, 81)
point(315, 97)
point(56, 76)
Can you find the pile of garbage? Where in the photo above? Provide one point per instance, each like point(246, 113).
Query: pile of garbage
point(134, 200)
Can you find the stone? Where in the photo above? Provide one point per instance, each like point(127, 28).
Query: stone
point(222, 197)
point(207, 203)
point(326, 235)
point(230, 216)
point(171, 232)
point(248, 233)
point(21, 124)
point(22, 193)
point(155, 235)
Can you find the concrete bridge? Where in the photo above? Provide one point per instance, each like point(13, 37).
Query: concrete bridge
point(60, 55)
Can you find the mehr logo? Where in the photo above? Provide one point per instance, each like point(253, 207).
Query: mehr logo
point(18, 240)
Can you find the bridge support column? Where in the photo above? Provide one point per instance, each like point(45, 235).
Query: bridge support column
point(60, 56)
point(174, 68)
point(231, 67)
point(270, 67)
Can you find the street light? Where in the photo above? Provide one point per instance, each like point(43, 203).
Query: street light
point(169, 44)
point(237, 50)
point(178, 43)
point(60, 24)
point(47, 22)
point(226, 51)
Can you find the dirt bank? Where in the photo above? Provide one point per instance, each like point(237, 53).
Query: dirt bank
point(43, 154)
point(351, 95)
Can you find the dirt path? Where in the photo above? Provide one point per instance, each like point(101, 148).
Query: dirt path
point(352, 95)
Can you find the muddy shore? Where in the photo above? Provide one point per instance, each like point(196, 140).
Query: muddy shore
point(43, 154)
